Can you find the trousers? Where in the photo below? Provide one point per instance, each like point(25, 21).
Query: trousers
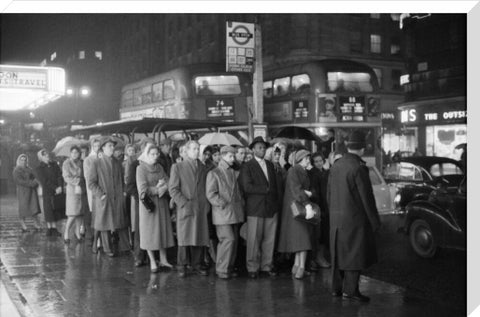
point(190, 255)
point(260, 243)
point(227, 247)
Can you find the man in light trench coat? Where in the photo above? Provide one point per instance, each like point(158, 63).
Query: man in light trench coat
point(223, 192)
point(187, 188)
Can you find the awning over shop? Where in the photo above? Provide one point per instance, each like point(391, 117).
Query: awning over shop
point(29, 87)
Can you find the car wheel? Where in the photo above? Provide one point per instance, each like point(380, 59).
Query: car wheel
point(421, 239)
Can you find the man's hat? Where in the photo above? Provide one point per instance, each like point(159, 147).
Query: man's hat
point(258, 139)
point(356, 140)
point(105, 139)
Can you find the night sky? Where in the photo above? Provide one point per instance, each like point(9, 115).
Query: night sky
point(29, 38)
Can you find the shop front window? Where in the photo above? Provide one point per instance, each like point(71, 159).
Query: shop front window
point(442, 140)
point(403, 141)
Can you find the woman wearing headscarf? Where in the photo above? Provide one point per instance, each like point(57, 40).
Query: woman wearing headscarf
point(28, 205)
point(76, 201)
point(295, 235)
point(50, 178)
point(155, 226)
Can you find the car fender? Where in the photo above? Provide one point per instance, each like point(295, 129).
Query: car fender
point(441, 221)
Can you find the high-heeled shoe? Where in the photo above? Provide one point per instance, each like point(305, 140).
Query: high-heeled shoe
point(294, 269)
point(165, 265)
point(300, 273)
point(24, 230)
point(66, 241)
point(155, 270)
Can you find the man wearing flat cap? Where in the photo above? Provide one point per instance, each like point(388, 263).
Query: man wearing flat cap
point(105, 180)
point(223, 193)
point(353, 220)
point(258, 182)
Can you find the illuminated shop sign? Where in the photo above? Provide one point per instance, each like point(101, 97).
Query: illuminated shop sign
point(27, 87)
point(411, 116)
point(408, 116)
point(23, 79)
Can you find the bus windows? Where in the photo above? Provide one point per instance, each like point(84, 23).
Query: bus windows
point(157, 91)
point(281, 86)
point(217, 85)
point(137, 97)
point(146, 95)
point(301, 84)
point(168, 89)
point(267, 89)
point(349, 82)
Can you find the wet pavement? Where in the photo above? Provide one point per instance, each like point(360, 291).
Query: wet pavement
point(53, 279)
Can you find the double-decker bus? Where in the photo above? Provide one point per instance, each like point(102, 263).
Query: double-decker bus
point(326, 94)
point(197, 92)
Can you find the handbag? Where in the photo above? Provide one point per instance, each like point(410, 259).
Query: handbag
point(299, 213)
point(147, 202)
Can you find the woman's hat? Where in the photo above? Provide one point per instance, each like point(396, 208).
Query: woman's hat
point(258, 139)
point(300, 155)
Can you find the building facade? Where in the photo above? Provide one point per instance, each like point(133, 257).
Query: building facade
point(183, 39)
point(433, 116)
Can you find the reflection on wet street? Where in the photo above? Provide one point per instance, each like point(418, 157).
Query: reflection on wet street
point(68, 280)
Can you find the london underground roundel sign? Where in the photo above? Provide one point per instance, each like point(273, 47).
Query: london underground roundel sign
point(240, 47)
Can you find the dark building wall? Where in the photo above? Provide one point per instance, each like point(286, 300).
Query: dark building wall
point(436, 56)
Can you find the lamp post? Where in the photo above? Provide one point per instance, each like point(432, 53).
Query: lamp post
point(76, 93)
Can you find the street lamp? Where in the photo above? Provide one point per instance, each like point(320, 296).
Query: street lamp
point(77, 92)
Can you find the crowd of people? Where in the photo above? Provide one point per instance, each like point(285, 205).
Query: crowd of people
point(221, 206)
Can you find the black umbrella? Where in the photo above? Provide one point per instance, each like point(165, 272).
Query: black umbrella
point(293, 132)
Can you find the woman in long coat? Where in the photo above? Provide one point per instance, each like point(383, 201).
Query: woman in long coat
point(295, 236)
point(28, 205)
point(155, 227)
point(76, 202)
point(50, 178)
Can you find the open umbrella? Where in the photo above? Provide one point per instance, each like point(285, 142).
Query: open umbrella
point(219, 138)
point(293, 132)
point(62, 148)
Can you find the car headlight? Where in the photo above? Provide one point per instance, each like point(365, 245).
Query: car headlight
point(397, 199)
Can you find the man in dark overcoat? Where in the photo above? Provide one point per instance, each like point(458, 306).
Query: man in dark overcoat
point(258, 182)
point(353, 220)
point(105, 180)
point(187, 188)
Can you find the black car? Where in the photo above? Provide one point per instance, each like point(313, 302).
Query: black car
point(415, 177)
point(439, 222)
